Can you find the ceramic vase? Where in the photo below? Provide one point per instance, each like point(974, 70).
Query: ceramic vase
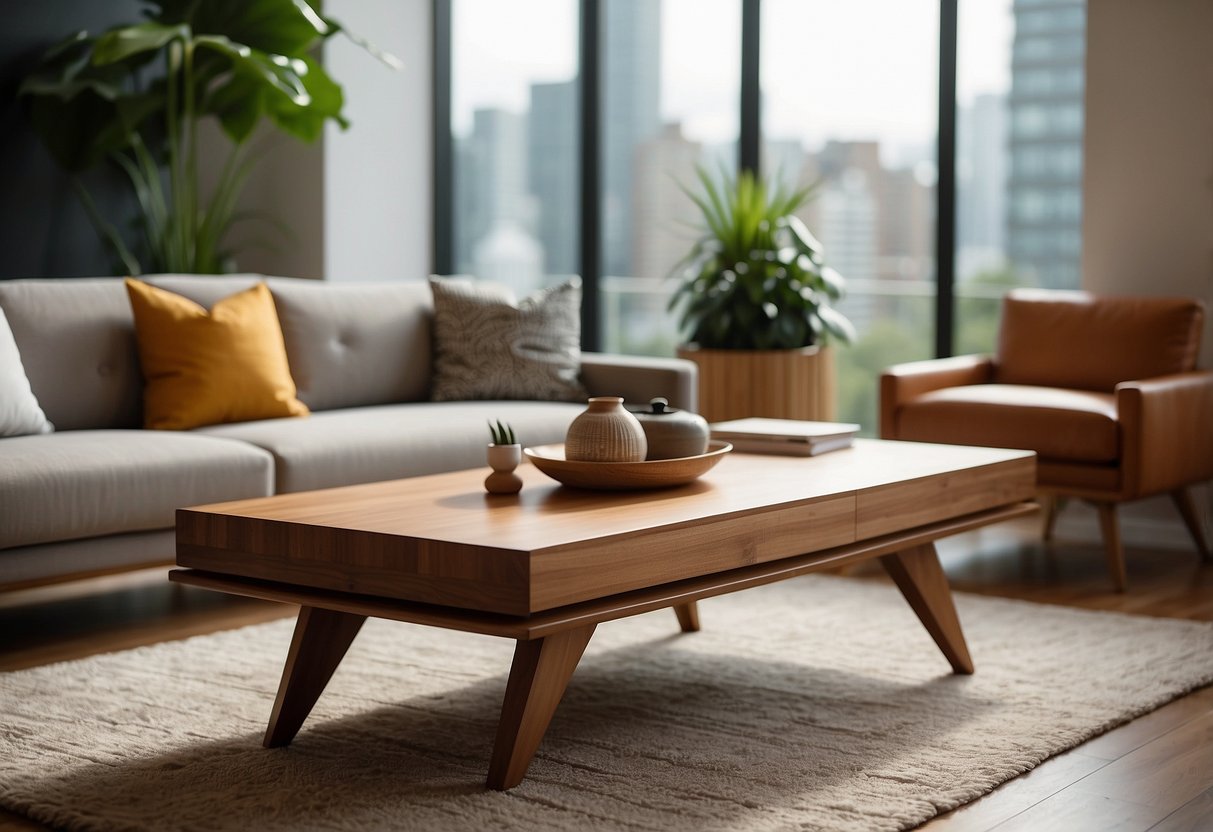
point(503, 459)
point(605, 432)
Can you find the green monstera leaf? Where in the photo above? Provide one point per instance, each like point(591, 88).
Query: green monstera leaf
point(135, 94)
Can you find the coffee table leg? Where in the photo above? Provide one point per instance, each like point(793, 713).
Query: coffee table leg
point(541, 671)
point(320, 641)
point(688, 616)
point(922, 581)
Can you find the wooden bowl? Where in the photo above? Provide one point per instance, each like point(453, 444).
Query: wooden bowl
point(624, 476)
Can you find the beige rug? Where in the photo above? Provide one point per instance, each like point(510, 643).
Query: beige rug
point(819, 703)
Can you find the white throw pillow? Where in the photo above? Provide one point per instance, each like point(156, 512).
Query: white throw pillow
point(20, 414)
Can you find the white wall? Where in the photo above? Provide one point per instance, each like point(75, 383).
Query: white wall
point(1148, 180)
point(377, 175)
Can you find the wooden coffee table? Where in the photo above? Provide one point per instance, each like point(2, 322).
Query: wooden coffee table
point(547, 566)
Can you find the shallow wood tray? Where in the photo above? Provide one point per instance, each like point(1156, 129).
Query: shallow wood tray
point(625, 476)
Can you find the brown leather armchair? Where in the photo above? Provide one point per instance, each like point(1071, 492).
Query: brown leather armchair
point(1104, 389)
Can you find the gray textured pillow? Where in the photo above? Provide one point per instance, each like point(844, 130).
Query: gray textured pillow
point(486, 347)
point(20, 414)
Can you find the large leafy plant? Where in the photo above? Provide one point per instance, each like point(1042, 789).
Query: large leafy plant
point(756, 278)
point(135, 95)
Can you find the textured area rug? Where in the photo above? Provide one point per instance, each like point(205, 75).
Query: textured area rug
point(819, 703)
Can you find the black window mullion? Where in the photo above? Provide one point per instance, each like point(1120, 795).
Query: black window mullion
point(945, 188)
point(590, 155)
point(749, 140)
point(443, 256)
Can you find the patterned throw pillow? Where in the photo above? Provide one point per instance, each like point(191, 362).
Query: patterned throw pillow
point(488, 347)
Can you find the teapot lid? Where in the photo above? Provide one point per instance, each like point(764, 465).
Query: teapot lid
point(658, 406)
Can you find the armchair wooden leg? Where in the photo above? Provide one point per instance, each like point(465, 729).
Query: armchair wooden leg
point(1112, 547)
point(1187, 509)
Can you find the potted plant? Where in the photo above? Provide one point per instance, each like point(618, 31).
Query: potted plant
point(504, 455)
point(756, 304)
point(135, 95)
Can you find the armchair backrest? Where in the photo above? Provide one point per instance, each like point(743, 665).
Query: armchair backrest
point(1084, 342)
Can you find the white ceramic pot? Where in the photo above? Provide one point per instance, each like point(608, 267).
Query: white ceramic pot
point(503, 459)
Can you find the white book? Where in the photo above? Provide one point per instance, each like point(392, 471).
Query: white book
point(784, 436)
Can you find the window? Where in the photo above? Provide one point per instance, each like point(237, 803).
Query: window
point(1019, 156)
point(846, 104)
point(514, 130)
point(671, 77)
point(856, 114)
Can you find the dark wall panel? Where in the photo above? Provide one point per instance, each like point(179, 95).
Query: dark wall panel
point(44, 231)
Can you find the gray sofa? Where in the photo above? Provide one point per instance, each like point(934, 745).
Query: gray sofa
point(98, 495)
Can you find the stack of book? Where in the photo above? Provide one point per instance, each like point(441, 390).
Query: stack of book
point(784, 436)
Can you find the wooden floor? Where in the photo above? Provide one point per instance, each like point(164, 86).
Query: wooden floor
point(1155, 773)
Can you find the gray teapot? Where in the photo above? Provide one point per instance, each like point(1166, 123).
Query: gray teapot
point(671, 433)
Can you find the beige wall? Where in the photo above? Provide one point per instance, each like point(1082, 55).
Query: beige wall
point(1148, 180)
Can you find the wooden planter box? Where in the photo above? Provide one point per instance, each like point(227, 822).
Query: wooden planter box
point(782, 384)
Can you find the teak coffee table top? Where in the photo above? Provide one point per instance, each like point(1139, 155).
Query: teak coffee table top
point(442, 540)
point(546, 566)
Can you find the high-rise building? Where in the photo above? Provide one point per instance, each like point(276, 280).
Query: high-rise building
point(1044, 206)
point(632, 101)
point(492, 186)
point(552, 172)
point(662, 214)
point(981, 185)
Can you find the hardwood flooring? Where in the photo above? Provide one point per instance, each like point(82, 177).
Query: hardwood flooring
point(1155, 773)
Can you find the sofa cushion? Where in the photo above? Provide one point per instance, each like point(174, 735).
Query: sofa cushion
point(486, 347)
point(1069, 425)
point(355, 344)
point(1086, 342)
point(348, 344)
point(20, 414)
point(77, 342)
point(88, 483)
point(343, 447)
point(202, 368)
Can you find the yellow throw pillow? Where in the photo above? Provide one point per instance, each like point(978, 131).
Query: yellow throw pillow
point(203, 368)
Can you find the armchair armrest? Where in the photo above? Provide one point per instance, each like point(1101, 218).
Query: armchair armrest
point(902, 382)
point(1167, 432)
point(639, 378)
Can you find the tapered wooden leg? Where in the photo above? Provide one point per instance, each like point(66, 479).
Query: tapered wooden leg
point(1052, 505)
point(922, 581)
point(1187, 509)
point(688, 617)
point(320, 641)
point(538, 677)
point(1113, 549)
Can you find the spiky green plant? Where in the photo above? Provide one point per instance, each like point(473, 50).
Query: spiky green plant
point(756, 278)
point(502, 434)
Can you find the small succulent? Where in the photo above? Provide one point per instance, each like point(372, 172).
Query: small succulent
point(502, 434)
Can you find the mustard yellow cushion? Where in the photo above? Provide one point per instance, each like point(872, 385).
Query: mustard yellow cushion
point(203, 368)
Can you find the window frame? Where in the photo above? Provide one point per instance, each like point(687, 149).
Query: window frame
point(749, 150)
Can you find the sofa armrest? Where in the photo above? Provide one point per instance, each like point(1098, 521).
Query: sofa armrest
point(1167, 432)
point(639, 378)
point(902, 382)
